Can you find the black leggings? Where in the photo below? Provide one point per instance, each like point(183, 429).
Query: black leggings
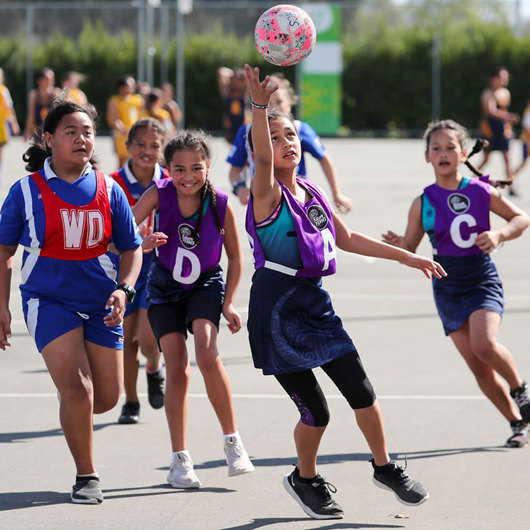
point(346, 372)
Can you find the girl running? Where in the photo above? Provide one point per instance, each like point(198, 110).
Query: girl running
point(186, 292)
point(292, 325)
point(144, 145)
point(454, 212)
point(64, 214)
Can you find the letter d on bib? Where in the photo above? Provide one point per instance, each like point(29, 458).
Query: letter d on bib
point(193, 263)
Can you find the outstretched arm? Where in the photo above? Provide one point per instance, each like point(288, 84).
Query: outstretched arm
point(366, 246)
point(343, 203)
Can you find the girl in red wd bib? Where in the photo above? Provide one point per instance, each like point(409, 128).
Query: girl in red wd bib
point(64, 214)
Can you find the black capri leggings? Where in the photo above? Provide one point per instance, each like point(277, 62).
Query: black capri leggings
point(346, 372)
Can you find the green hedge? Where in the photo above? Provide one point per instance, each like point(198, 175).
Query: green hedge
point(386, 80)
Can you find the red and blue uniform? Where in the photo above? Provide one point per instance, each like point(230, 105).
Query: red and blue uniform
point(65, 228)
point(133, 191)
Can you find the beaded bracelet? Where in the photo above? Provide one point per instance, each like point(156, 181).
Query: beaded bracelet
point(255, 105)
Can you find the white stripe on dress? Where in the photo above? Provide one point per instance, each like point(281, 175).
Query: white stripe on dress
point(280, 268)
point(28, 211)
point(108, 267)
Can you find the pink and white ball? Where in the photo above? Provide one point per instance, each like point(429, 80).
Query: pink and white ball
point(285, 35)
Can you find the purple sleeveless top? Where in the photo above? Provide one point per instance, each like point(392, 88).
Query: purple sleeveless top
point(186, 254)
point(315, 233)
point(459, 216)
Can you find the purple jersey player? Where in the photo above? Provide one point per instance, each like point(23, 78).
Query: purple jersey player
point(186, 292)
point(292, 325)
point(454, 212)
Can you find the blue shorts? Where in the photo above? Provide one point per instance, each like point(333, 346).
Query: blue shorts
point(46, 320)
point(140, 301)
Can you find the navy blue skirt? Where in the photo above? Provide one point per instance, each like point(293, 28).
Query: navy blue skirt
point(472, 283)
point(292, 325)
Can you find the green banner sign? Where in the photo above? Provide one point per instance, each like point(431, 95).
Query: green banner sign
point(320, 74)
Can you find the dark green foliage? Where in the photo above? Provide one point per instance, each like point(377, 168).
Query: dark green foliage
point(387, 79)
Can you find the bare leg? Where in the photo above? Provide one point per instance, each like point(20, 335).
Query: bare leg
point(147, 342)
point(131, 361)
point(178, 373)
point(307, 441)
point(370, 421)
point(213, 371)
point(483, 361)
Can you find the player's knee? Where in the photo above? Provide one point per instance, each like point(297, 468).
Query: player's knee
point(316, 415)
point(361, 395)
point(105, 401)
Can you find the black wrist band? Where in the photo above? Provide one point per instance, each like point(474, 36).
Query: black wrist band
point(238, 185)
point(256, 106)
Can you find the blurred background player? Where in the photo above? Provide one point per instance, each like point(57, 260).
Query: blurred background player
point(242, 164)
point(8, 118)
point(525, 137)
point(71, 90)
point(123, 109)
point(153, 108)
point(40, 100)
point(144, 145)
point(233, 90)
point(497, 121)
point(169, 104)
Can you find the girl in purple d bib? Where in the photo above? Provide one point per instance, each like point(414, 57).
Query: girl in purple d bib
point(186, 292)
point(454, 211)
point(292, 325)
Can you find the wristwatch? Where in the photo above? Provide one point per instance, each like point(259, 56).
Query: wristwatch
point(128, 290)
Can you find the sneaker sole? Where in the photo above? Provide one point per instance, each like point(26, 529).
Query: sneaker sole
point(515, 444)
point(385, 487)
point(241, 472)
point(306, 509)
point(85, 501)
point(128, 421)
point(181, 486)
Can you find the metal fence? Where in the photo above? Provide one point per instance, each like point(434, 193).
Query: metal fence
point(156, 23)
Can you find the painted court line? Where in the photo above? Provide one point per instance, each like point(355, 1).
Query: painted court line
point(412, 397)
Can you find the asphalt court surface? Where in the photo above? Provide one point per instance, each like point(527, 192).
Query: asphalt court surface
point(435, 416)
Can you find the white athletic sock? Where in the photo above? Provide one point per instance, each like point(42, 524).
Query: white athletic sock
point(175, 456)
point(234, 435)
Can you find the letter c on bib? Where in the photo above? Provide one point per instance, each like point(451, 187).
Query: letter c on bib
point(456, 234)
point(193, 265)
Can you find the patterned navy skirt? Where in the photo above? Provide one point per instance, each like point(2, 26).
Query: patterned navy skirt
point(292, 325)
point(472, 283)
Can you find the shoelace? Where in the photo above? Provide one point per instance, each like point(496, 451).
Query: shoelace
point(324, 487)
point(234, 447)
point(403, 477)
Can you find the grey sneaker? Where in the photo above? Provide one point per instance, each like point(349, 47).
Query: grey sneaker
point(314, 496)
point(181, 473)
point(522, 400)
point(86, 491)
point(519, 438)
point(236, 457)
point(393, 477)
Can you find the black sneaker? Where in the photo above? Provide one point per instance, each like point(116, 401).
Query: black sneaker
point(313, 496)
point(155, 388)
point(130, 413)
point(86, 490)
point(519, 438)
point(393, 477)
point(522, 400)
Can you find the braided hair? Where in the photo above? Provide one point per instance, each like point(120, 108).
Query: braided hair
point(198, 141)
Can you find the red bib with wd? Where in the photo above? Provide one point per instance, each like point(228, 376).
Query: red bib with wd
point(75, 232)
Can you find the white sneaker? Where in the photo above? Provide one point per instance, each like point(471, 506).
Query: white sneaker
point(181, 474)
point(236, 457)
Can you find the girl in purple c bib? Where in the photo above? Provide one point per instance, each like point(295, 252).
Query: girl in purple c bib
point(292, 326)
point(186, 292)
point(454, 212)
